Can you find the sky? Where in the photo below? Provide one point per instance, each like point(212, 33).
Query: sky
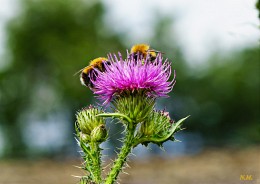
point(202, 26)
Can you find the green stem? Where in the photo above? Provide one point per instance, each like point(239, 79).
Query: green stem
point(96, 159)
point(125, 150)
point(87, 157)
point(116, 115)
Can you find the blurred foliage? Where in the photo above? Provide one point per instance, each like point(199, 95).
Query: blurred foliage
point(224, 100)
point(48, 42)
point(257, 5)
point(221, 95)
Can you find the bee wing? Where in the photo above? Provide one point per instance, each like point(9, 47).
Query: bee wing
point(156, 51)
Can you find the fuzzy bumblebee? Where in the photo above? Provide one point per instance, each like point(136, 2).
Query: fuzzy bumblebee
point(89, 72)
point(144, 50)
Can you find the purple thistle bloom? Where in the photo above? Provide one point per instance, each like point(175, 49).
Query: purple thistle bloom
point(132, 75)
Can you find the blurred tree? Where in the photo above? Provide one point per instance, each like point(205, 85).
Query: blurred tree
point(224, 99)
point(257, 5)
point(48, 42)
point(222, 96)
point(234, 85)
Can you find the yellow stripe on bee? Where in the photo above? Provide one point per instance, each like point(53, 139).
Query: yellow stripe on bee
point(87, 69)
point(142, 48)
point(97, 63)
point(153, 54)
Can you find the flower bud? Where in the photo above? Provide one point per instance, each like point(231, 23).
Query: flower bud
point(157, 125)
point(88, 123)
point(136, 105)
point(157, 129)
point(84, 137)
point(99, 134)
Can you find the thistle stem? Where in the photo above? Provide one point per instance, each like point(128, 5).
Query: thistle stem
point(125, 150)
point(96, 159)
point(88, 158)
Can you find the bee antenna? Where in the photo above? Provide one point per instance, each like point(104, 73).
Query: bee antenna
point(78, 71)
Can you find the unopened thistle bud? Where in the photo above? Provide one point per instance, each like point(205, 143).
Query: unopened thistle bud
point(84, 137)
point(157, 125)
point(99, 134)
point(89, 124)
point(157, 129)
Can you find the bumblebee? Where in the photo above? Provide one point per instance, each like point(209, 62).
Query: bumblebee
point(144, 50)
point(90, 72)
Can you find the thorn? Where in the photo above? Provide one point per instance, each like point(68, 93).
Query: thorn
point(133, 154)
point(127, 165)
point(162, 148)
point(77, 166)
point(106, 148)
point(84, 162)
point(125, 173)
point(76, 176)
point(176, 140)
point(118, 179)
point(106, 166)
point(105, 155)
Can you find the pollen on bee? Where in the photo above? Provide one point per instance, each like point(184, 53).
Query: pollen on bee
point(87, 69)
point(97, 63)
point(142, 48)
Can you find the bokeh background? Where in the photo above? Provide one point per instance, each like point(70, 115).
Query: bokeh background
point(213, 46)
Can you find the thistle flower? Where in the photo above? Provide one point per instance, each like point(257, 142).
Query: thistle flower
point(132, 86)
point(130, 75)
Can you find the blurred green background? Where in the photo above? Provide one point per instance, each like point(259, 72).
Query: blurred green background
point(47, 42)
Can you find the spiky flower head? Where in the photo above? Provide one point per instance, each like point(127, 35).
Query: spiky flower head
point(90, 126)
point(136, 105)
point(130, 75)
point(158, 128)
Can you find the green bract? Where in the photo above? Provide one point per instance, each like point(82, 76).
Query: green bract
point(136, 105)
point(99, 134)
point(157, 129)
